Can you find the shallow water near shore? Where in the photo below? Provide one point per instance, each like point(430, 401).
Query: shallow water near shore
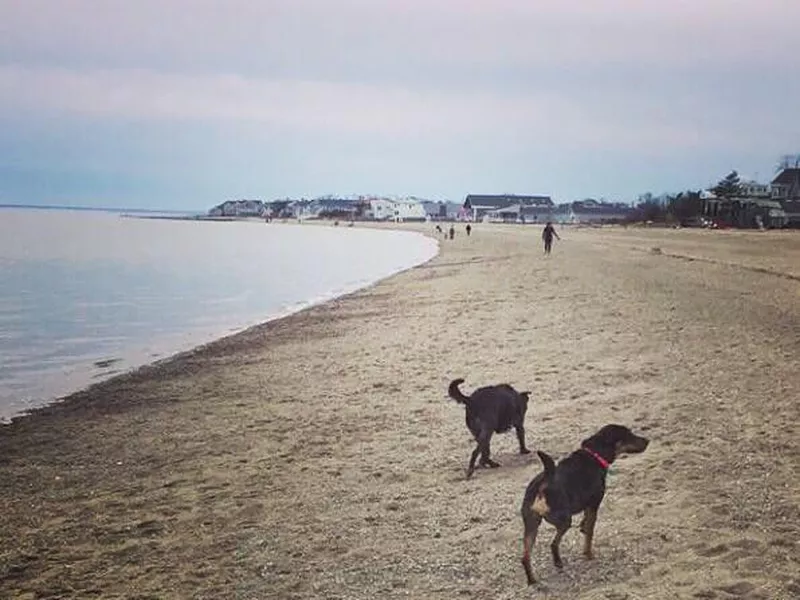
point(87, 295)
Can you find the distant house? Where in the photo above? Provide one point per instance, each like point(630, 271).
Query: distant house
point(786, 185)
point(753, 189)
point(764, 212)
point(591, 211)
point(785, 189)
point(445, 211)
point(758, 205)
point(791, 209)
point(520, 213)
point(281, 209)
point(397, 209)
point(434, 210)
point(239, 208)
point(477, 206)
point(327, 208)
point(744, 212)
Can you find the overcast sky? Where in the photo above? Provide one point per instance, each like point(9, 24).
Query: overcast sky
point(185, 103)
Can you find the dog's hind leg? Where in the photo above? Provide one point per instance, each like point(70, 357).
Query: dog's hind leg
point(587, 529)
point(562, 528)
point(472, 459)
point(483, 443)
point(521, 438)
point(532, 522)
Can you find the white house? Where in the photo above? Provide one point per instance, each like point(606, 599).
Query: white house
point(750, 188)
point(478, 206)
point(592, 211)
point(389, 209)
point(520, 213)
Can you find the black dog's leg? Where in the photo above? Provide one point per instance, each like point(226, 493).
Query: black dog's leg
point(521, 439)
point(562, 528)
point(483, 442)
point(532, 522)
point(472, 459)
point(587, 529)
point(475, 427)
point(483, 449)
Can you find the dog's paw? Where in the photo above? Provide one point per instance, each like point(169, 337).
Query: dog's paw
point(524, 451)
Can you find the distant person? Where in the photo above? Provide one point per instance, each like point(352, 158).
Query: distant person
point(452, 232)
point(439, 229)
point(469, 229)
point(547, 235)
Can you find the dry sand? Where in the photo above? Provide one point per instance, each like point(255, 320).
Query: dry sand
point(318, 456)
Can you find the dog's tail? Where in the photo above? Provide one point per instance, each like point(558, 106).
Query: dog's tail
point(549, 464)
point(455, 393)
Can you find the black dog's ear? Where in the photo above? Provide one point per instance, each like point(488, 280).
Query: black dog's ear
point(526, 395)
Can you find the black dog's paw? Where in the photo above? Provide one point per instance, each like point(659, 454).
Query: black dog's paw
point(524, 451)
point(492, 464)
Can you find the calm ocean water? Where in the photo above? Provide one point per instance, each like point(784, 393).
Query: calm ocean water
point(86, 295)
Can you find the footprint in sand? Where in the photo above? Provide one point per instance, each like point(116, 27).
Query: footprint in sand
point(711, 551)
point(738, 589)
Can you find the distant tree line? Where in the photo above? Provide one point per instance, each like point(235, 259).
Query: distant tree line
point(669, 208)
point(684, 206)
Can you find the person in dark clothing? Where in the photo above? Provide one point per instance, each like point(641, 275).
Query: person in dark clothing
point(452, 232)
point(547, 236)
point(469, 229)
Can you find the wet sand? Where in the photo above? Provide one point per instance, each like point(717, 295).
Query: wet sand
point(319, 457)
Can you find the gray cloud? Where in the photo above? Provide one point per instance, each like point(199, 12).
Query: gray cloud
point(636, 80)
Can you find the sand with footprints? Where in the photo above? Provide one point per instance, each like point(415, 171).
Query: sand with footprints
point(319, 456)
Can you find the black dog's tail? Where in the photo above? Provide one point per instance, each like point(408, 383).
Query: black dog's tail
point(455, 393)
point(549, 464)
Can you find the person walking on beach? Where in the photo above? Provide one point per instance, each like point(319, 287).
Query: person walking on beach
point(452, 232)
point(547, 236)
point(469, 229)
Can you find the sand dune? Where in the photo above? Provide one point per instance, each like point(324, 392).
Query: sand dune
point(319, 457)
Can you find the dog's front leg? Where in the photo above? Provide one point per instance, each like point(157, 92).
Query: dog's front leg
point(587, 528)
point(521, 438)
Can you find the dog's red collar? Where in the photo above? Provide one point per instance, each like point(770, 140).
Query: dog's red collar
point(600, 460)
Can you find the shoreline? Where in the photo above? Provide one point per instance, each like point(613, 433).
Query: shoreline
point(80, 377)
point(31, 384)
point(317, 455)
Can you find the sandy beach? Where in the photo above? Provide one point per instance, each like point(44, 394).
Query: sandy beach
point(319, 457)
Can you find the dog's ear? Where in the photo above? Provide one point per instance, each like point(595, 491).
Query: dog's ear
point(525, 396)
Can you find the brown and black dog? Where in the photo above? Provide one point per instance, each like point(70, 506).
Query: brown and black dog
point(577, 484)
point(492, 409)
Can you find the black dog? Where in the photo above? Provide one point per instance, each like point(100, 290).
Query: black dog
point(577, 484)
point(490, 409)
